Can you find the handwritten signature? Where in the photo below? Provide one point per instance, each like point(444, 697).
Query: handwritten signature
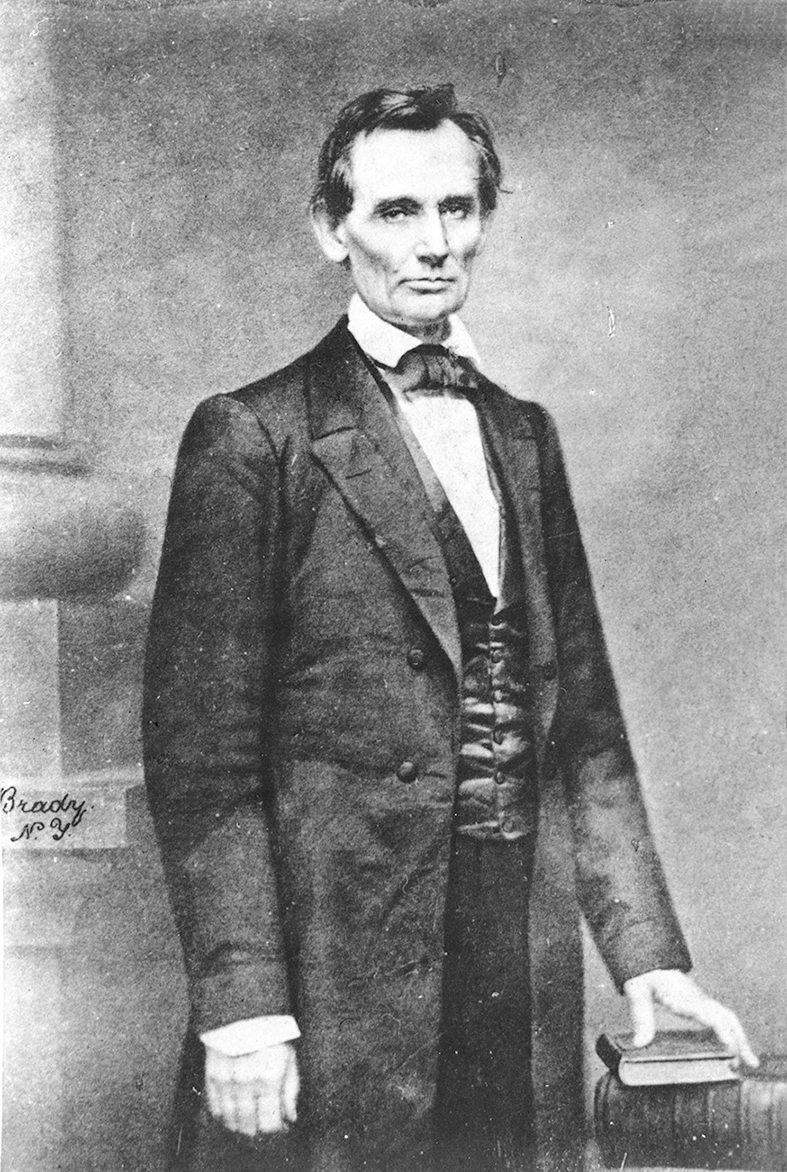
point(57, 816)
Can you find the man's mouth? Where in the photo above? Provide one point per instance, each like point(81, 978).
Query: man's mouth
point(429, 284)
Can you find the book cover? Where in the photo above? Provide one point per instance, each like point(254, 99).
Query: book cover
point(674, 1056)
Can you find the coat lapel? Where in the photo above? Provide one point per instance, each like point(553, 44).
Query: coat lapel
point(514, 444)
point(357, 442)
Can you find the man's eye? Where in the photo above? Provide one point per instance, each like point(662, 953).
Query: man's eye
point(457, 211)
point(392, 215)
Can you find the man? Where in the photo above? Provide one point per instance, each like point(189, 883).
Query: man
point(384, 746)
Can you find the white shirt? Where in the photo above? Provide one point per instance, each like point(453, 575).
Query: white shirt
point(445, 427)
point(447, 430)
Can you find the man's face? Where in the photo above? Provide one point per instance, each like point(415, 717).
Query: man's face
point(415, 226)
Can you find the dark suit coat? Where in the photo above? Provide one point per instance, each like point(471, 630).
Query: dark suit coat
point(299, 569)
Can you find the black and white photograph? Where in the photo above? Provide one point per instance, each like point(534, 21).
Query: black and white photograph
point(392, 704)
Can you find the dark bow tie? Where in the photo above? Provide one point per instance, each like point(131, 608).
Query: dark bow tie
point(433, 370)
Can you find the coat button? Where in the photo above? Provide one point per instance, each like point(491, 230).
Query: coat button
point(407, 772)
point(549, 670)
point(416, 657)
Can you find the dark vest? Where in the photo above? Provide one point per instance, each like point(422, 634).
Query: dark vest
point(496, 778)
point(497, 795)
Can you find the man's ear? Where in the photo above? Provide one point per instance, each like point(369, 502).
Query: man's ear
point(330, 237)
point(486, 224)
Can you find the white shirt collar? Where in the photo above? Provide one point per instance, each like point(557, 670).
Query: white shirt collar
point(386, 344)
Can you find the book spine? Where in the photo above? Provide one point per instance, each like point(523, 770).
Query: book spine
point(740, 1125)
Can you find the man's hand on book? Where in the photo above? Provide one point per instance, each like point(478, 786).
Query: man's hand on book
point(680, 994)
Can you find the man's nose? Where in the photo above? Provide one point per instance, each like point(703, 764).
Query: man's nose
point(433, 242)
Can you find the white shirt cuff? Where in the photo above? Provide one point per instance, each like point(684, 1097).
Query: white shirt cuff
point(255, 1033)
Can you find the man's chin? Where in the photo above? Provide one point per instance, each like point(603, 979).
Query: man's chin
point(429, 308)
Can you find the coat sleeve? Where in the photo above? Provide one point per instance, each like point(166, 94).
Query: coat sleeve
point(207, 711)
point(620, 882)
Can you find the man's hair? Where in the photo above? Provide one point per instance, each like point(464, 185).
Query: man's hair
point(422, 108)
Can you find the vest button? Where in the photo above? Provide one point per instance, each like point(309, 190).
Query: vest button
point(498, 695)
point(499, 778)
point(407, 772)
point(549, 670)
point(416, 657)
point(498, 736)
point(497, 655)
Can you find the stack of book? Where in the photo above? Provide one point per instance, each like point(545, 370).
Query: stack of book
point(680, 1103)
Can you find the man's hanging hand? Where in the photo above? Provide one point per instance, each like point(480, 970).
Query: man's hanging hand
point(680, 994)
point(253, 1093)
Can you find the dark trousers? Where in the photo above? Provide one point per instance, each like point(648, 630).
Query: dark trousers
point(484, 1111)
point(484, 1107)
